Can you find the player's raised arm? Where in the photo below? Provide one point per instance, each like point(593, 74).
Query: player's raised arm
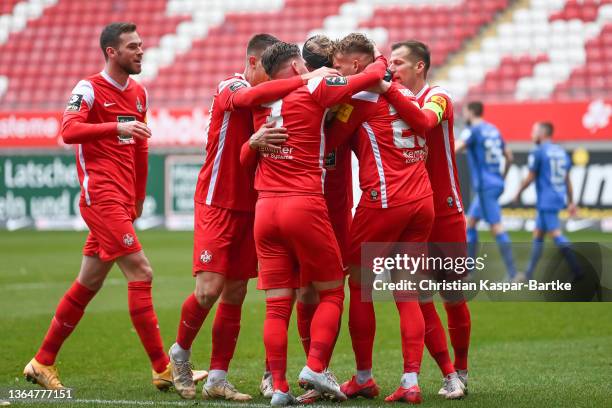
point(242, 96)
point(332, 90)
point(421, 120)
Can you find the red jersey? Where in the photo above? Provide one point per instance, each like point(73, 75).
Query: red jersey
point(391, 156)
point(339, 178)
point(298, 167)
point(111, 167)
point(223, 182)
point(435, 119)
point(441, 164)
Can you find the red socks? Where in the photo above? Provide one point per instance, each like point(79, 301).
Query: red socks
point(67, 315)
point(305, 312)
point(435, 338)
point(192, 318)
point(324, 328)
point(459, 325)
point(143, 316)
point(362, 327)
point(225, 330)
point(412, 328)
point(278, 313)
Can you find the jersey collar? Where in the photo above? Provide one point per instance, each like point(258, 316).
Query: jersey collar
point(422, 91)
point(115, 83)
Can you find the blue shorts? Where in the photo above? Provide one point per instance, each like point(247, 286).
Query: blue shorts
point(485, 206)
point(547, 220)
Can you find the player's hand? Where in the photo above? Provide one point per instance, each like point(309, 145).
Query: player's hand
point(572, 210)
point(320, 72)
point(382, 87)
point(268, 137)
point(139, 205)
point(135, 129)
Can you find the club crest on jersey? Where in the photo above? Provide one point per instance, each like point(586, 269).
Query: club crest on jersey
point(374, 195)
point(449, 201)
point(128, 240)
point(74, 104)
point(336, 81)
point(205, 256)
point(139, 105)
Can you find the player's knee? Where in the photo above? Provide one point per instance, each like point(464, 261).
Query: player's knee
point(235, 293)
point(207, 295)
point(497, 228)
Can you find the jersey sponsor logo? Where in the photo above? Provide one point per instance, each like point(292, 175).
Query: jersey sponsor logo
point(285, 153)
point(344, 112)
point(206, 256)
point(413, 156)
point(330, 160)
point(74, 104)
point(336, 81)
point(125, 139)
point(139, 105)
point(107, 104)
point(236, 86)
point(128, 240)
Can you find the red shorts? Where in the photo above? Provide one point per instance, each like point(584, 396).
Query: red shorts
point(111, 230)
point(450, 228)
point(405, 223)
point(223, 242)
point(295, 242)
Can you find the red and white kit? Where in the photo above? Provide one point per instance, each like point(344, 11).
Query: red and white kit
point(112, 168)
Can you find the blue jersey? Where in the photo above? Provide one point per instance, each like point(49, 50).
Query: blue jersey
point(485, 151)
point(550, 163)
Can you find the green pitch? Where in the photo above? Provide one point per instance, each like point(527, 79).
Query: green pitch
point(522, 354)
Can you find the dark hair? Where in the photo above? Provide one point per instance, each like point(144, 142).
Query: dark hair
point(354, 43)
point(476, 107)
point(111, 33)
point(418, 50)
point(259, 42)
point(548, 128)
point(278, 54)
point(316, 51)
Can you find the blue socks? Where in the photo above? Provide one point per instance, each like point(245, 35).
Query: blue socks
point(564, 245)
point(536, 253)
point(505, 247)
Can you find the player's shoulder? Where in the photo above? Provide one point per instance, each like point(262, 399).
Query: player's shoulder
point(438, 90)
point(233, 83)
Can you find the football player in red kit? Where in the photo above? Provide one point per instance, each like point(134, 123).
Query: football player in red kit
point(106, 122)
point(224, 256)
point(396, 206)
point(291, 218)
point(434, 118)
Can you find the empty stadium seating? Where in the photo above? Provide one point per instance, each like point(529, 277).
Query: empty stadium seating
point(543, 49)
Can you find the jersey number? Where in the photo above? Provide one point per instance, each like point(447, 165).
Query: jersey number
point(275, 113)
point(403, 138)
point(493, 151)
point(558, 171)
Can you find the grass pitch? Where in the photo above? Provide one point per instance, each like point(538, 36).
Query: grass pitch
point(522, 354)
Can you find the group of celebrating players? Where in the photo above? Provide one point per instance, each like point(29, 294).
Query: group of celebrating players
point(273, 201)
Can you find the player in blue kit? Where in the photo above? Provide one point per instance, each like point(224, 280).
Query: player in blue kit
point(549, 166)
point(486, 151)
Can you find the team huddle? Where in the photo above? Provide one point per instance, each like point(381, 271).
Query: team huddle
point(273, 201)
